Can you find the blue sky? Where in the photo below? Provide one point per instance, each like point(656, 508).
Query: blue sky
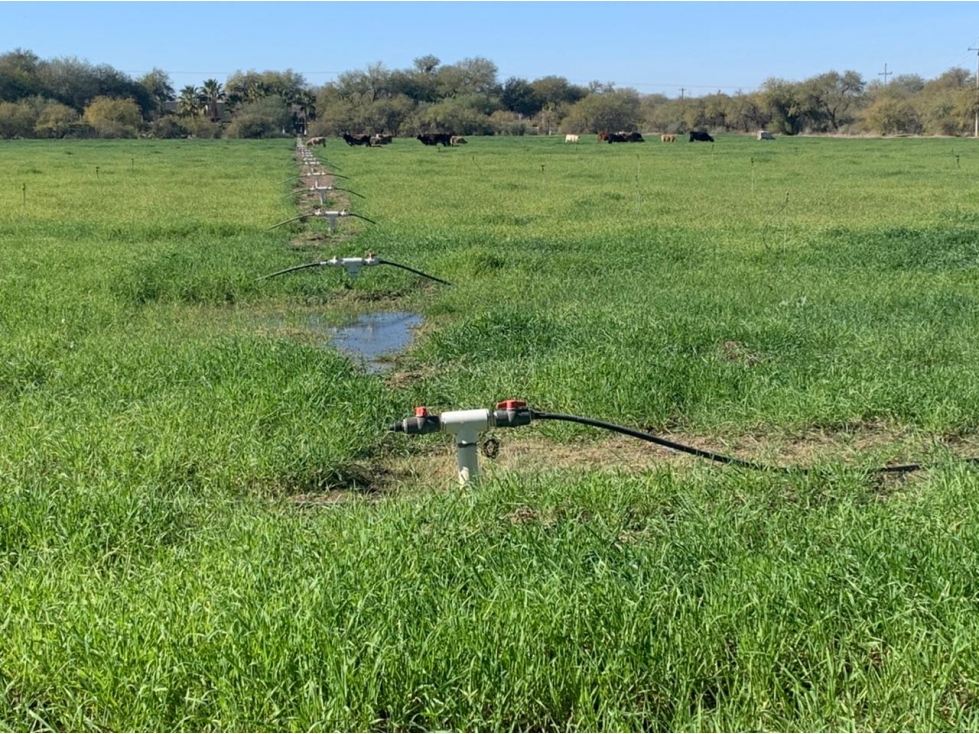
point(654, 47)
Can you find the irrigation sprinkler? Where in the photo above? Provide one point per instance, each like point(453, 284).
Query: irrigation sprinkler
point(314, 174)
point(353, 265)
point(465, 426)
point(321, 189)
point(330, 216)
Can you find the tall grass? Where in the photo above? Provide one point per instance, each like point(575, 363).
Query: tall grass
point(155, 431)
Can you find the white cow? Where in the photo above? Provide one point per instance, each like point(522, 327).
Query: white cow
point(570, 138)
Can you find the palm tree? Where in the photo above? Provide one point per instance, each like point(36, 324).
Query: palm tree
point(189, 101)
point(212, 93)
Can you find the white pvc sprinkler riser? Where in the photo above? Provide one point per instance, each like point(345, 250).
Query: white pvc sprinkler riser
point(465, 426)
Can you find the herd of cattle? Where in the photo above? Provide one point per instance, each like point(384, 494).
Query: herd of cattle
point(448, 139)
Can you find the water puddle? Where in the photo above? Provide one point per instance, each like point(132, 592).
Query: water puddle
point(375, 336)
point(370, 340)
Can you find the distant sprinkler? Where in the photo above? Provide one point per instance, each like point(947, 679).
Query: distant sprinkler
point(315, 175)
point(330, 216)
point(353, 265)
point(321, 190)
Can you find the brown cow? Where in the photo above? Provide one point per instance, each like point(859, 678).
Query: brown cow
point(603, 136)
point(667, 138)
point(458, 140)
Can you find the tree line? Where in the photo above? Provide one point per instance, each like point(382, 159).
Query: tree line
point(68, 97)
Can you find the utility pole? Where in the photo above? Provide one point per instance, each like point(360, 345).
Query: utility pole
point(885, 73)
point(977, 89)
point(682, 90)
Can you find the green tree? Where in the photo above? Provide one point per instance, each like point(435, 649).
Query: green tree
point(469, 76)
point(946, 103)
point(829, 101)
point(556, 90)
point(517, 95)
point(892, 114)
point(745, 112)
point(159, 87)
point(452, 116)
point(618, 110)
point(781, 103)
point(20, 75)
point(265, 118)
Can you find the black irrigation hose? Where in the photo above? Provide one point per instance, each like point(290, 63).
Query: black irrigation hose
point(294, 219)
point(378, 262)
point(289, 270)
point(349, 191)
point(298, 192)
point(412, 270)
point(643, 436)
point(720, 458)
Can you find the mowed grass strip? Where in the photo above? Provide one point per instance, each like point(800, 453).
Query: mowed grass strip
point(159, 573)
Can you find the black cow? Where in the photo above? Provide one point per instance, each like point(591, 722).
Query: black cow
point(700, 136)
point(634, 138)
point(444, 139)
point(617, 138)
point(356, 139)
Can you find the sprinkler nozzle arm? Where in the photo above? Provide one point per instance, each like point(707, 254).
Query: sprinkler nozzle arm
point(423, 422)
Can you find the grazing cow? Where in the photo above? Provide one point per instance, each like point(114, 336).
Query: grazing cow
point(667, 138)
point(702, 137)
point(458, 140)
point(356, 139)
point(377, 140)
point(570, 138)
point(315, 141)
point(634, 137)
point(765, 135)
point(602, 137)
point(617, 138)
point(444, 139)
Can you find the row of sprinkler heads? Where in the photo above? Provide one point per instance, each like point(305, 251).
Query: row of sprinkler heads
point(332, 216)
point(352, 265)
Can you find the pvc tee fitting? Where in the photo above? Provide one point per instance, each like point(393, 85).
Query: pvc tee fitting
point(466, 426)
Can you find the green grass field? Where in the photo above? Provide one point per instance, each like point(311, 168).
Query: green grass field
point(205, 526)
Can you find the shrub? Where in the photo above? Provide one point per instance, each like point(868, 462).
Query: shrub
point(113, 118)
point(167, 127)
point(56, 120)
point(265, 118)
point(201, 127)
point(16, 120)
